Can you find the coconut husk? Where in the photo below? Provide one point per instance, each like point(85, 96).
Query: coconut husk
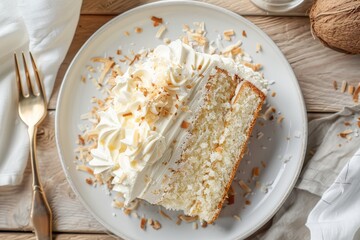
point(336, 23)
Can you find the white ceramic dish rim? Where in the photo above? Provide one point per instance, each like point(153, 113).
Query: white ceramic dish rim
point(236, 16)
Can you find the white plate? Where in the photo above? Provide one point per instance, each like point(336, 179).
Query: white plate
point(273, 148)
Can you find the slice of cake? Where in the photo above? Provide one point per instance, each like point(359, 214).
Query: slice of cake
point(177, 128)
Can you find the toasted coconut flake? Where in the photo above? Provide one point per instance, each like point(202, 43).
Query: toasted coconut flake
point(236, 217)
point(345, 133)
point(83, 79)
point(343, 86)
point(195, 225)
point(138, 30)
point(255, 67)
point(280, 119)
point(179, 220)
point(160, 32)
point(126, 33)
point(185, 40)
point(156, 225)
point(269, 113)
point(162, 213)
point(258, 47)
point(118, 204)
point(89, 181)
point(273, 94)
point(244, 186)
point(156, 21)
point(244, 33)
point(347, 123)
point(118, 52)
point(229, 32)
point(127, 211)
point(143, 223)
point(167, 40)
point(185, 124)
point(133, 205)
point(335, 85)
point(81, 140)
point(263, 164)
point(255, 172)
point(85, 169)
point(356, 94)
point(199, 39)
point(108, 64)
point(259, 135)
point(203, 224)
point(186, 28)
point(188, 219)
point(351, 89)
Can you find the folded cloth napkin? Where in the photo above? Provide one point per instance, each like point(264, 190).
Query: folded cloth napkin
point(337, 215)
point(46, 28)
point(330, 157)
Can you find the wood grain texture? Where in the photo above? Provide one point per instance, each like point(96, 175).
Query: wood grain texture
point(69, 214)
point(61, 236)
point(315, 66)
point(243, 7)
point(15, 201)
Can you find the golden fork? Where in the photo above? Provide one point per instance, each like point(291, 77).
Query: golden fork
point(32, 111)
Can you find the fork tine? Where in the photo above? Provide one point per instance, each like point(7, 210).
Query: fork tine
point(27, 74)
point(38, 81)
point(18, 78)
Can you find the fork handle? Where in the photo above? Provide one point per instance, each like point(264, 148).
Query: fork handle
point(41, 215)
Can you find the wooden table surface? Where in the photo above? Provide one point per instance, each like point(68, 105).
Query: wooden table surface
point(315, 66)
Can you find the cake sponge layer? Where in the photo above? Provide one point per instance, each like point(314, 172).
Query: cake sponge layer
point(217, 142)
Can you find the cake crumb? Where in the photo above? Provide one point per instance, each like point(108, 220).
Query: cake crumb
point(126, 33)
point(195, 225)
point(244, 33)
point(273, 94)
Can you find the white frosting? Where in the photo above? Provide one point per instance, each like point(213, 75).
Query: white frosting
point(137, 131)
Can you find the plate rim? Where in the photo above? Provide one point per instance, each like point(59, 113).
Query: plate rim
point(230, 13)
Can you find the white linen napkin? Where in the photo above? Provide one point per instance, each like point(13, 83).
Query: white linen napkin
point(46, 28)
point(329, 157)
point(337, 214)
